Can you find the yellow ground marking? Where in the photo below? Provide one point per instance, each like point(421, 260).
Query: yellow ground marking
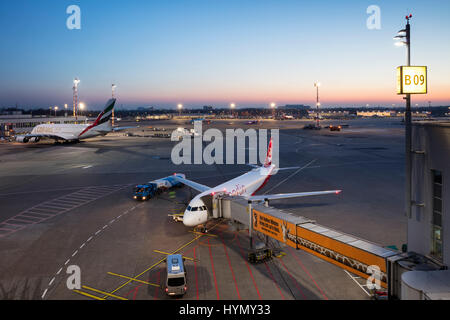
point(203, 234)
point(87, 294)
point(160, 261)
point(133, 279)
point(167, 253)
point(105, 293)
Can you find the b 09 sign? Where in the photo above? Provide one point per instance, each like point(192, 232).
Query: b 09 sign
point(412, 80)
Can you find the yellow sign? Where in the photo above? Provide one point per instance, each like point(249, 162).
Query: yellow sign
point(272, 226)
point(412, 80)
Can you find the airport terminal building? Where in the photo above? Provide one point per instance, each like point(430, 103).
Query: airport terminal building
point(429, 223)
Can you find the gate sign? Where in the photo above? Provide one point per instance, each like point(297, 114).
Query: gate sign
point(412, 80)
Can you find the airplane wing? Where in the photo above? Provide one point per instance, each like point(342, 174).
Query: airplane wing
point(192, 184)
point(264, 197)
point(123, 128)
point(55, 136)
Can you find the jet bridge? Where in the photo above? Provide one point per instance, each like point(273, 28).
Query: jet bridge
point(356, 255)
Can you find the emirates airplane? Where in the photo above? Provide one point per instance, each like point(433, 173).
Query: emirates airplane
point(246, 185)
point(73, 132)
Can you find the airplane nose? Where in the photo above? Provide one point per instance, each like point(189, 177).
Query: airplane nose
point(189, 219)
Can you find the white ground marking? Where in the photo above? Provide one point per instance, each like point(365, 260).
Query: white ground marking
point(354, 279)
point(89, 239)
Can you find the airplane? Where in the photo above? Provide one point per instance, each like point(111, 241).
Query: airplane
point(74, 132)
point(246, 185)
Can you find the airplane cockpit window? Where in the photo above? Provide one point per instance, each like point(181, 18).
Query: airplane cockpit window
point(188, 208)
point(194, 208)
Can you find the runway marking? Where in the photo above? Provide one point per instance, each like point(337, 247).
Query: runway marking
point(167, 253)
point(354, 279)
point(52, 208)
point(195, 271)
point(214, 271)
point(309, 275)
point(162, 260)
point(203, 234)
point(248, 267)
point(105, 293)
point(294, 280)
point(231, 268)
point(76, 251)
point(274, 281)
point(87, 294)
point(134, 279)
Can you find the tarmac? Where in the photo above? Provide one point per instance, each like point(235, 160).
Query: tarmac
point(71, 205)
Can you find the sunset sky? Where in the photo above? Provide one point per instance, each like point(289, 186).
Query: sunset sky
point(202, 52)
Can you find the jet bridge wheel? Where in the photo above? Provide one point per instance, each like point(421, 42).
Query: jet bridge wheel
point(259, 256)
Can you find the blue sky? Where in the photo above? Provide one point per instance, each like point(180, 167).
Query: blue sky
point(215, 52)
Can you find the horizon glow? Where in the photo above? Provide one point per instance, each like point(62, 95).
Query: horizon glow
point(199, 52)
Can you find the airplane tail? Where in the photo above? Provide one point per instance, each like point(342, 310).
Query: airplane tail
point(268, 160)
point(103, 119)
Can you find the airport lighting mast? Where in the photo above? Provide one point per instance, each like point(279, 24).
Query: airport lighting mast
point(273, 106)
point(76, 81)
point(405, 34)
point(317, 85)
point(232, 106)
point(180, 107)
point(113, 88)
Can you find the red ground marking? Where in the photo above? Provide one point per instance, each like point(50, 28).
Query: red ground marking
point(155, 296)
point(136, 291)
point(214, 272)
point(295, 281)
point(310, 276)
point(248, 267)
point(231, 268)
point(195, 271)
point(273, 279)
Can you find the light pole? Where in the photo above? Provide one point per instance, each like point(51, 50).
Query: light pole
point(232, 106)
point(113, 88)
point(81, 107)
point(65, 107)
point(273, 106)
point(76, 81)
point(406, 34)
point(56, 109)
point(317, 85)
point(180, 107)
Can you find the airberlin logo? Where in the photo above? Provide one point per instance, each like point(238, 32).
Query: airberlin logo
point(240, 147)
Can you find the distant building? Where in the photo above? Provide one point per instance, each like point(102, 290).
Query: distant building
point(295, 107)
point(208, 108)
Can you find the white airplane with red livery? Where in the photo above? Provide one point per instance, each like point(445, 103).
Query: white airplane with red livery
point(73, 132)
point(246, 186)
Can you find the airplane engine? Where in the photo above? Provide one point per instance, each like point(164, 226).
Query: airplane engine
point(35, 139)
point(22, 139)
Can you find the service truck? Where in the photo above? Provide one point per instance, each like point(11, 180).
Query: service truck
point(150, 189)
